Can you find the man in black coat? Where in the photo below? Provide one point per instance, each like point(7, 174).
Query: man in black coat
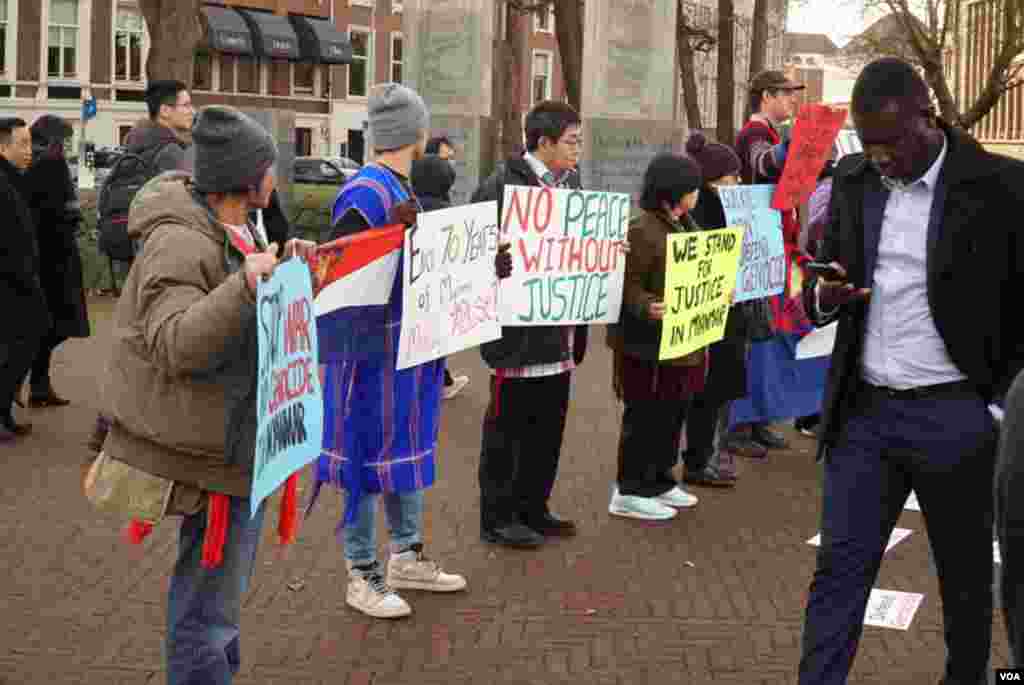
point(922, 236)
point(532, 365)
point(53, 200)
point(21, 293)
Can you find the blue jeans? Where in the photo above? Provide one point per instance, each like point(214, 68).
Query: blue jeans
point(204, 605)
point(404, 513)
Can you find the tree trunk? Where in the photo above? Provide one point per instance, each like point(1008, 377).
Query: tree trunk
point(175, 30)
point(759, 38)
point(936, 78)
point(726, 128)
point(687, 74)
point(510, 91)
point(569, 32)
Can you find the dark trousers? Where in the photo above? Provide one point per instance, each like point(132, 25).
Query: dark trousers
point(16, 358)
point(702, 427)
point(649, 446)
point(522, 440)
point(944, 449)
point(41, 365)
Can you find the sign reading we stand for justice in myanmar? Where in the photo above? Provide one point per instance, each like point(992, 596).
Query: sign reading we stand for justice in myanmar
point(567, 258)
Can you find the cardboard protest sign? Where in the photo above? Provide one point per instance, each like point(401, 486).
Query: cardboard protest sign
point(449, 287)
point(891, 608)
point(290, 410)
point(700, 274)
point(762, 270)
point(816, 129)
point(567, 260)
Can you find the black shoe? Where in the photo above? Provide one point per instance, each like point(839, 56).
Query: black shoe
point(512, 535)
point(549, 525)
point(709, 477)
point(766, 436)
point(48, 399)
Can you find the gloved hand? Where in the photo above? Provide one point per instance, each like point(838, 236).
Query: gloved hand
point(503, 261)
point(404, 213)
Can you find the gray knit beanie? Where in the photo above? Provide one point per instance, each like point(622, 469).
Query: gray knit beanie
point(233, 152)
point(397, 115)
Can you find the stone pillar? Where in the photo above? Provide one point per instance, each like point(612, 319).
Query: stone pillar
point(450, 57)
point(281, 124)
point(629, 91)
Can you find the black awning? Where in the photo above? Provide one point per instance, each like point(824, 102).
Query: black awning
point(228, 32)
point(273, 34)
point(320, 41)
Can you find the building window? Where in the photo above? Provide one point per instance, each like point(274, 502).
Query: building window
point(303, 76)
point(248, 75)
point(541, 76)
point(62, 47)
point(3, 36)
point(202, 72)
point(360, 72)
point(128, 36)
point(544, 20)
point(397, 46)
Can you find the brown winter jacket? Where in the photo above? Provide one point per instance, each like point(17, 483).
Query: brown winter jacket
point(637, 334)
point(182, 323)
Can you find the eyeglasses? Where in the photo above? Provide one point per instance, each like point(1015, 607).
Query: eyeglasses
point(571, 142)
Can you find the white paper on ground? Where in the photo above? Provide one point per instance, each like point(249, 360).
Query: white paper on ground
point(996, 556)
point(996, 412)
point(891, 608)
point(897, 536)
point(817, 343)
point(912, 502)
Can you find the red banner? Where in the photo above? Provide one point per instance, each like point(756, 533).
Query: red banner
point(816, 129)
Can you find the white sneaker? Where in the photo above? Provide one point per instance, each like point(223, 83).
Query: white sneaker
point(369, 594)
point(646, 508)
point(413, 571)
point(677, 497)
point(458, 383)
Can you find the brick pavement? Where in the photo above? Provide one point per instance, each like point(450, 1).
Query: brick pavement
point(714, 596)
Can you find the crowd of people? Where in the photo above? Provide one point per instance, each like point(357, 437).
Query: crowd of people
point(907, 227)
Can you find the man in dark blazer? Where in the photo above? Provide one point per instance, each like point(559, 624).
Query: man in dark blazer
point(923, 238)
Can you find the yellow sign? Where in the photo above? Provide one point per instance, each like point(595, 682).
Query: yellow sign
point(700, 274)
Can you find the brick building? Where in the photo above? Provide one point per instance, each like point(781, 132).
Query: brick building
point(260, 53)
point(807, 60)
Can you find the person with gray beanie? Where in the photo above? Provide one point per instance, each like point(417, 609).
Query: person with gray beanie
point(393, 457)
point(181, 381)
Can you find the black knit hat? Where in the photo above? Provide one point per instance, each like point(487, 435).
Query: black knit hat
point(233, 151)
point(715, 160)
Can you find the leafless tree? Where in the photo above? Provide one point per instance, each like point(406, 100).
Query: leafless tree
point(175, 31)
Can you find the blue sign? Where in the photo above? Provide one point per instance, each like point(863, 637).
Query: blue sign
point(762, 270)
point(290, 403)
point(88, 109)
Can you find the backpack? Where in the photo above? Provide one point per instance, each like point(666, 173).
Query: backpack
point(131, 171)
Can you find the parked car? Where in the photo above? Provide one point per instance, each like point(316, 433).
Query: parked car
point(348, 166)
point(321, 170)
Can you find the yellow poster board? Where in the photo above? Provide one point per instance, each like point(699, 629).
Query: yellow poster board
point(700, 275)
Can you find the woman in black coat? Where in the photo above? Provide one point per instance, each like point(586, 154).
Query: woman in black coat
point(707, 462)
point(53, 201)
point(432, 179)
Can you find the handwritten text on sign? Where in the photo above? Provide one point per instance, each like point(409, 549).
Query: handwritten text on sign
point(290, 413)
point(449, 288)
point(567, 260)
point(700, 274)
point(816, 129)
point(762, 269)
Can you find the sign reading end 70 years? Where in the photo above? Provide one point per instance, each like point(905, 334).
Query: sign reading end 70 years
point(699, 279)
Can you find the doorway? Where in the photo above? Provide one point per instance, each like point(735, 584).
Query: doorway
point(356, 151)
point(303, 142)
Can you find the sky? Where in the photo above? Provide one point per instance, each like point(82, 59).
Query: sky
point(840, 20)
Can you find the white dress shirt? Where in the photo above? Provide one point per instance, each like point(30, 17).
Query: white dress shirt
point(902, 348)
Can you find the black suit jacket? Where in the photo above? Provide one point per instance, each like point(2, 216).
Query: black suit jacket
point(975, 248)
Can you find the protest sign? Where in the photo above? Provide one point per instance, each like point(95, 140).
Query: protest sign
point(289, 409)
point(762, 270)
point(567, 258)
point(700, 275)
point(814, 133)
point(891, 608)
point(896, 537)
point(449, 287)
point(818, 343)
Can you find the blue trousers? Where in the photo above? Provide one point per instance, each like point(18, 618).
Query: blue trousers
point(943, 448)
point(204, 605)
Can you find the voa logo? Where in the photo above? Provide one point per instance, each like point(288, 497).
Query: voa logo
point(1009, 676)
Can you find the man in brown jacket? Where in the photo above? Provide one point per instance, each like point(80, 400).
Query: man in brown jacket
point(181, 384)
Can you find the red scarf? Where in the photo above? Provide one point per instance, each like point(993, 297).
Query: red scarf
point(218, 510)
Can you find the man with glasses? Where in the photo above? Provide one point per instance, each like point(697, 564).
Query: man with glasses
point(531, 365)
